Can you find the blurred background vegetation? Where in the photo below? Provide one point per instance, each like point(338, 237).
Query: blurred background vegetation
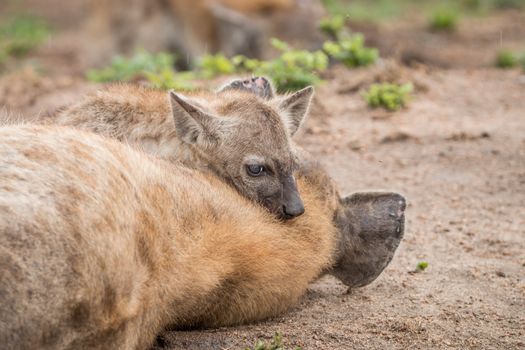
point(179, 44)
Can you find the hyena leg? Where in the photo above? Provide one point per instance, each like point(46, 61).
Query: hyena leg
point(376, 227)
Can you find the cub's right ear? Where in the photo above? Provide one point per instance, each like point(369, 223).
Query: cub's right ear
point(296, 106)
point(193, 125)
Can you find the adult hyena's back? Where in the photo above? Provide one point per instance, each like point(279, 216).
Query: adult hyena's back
point(122, 245)
point(123, 111)
point(53, 213)
point(27, 279)
point(28, 242)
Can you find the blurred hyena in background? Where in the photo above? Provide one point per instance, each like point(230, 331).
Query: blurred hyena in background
point(196, 27)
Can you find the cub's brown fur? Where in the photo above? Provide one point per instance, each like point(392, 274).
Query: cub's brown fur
point(231, 133)
point(102, 247)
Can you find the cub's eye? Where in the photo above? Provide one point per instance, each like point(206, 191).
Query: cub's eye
point(255, 169)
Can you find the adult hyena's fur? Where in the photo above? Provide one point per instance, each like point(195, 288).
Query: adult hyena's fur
point(219, 132)
point(102, 247)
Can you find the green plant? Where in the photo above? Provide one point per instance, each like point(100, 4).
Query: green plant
point(347, 48)
point(292, 70)
point(243, 63)
point(20, 35)
point(332, 26)
point(444, 19)
point(170, 79)
point(351, 51)
point(156, 68)
point(213, 65)
point(140, 64)
point(390, 96)
point(506, 59)
point(421, 266)
point(275, 344)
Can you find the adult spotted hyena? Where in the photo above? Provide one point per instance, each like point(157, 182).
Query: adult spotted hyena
point(102, 247)
point(236, 134)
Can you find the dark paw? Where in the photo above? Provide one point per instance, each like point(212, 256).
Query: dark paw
point(372, 228)
point(378, 214)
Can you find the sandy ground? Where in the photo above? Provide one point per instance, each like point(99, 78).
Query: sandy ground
point(458, 155)
point(473, 44)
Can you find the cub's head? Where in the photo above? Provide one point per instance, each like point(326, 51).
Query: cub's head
point(245, 139)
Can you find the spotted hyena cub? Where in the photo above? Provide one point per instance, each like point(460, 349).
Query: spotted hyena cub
point(241, 136)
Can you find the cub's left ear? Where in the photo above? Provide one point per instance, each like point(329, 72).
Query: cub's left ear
point(296, 107)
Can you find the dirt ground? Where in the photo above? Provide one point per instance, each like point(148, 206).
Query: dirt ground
point(472, 44)
point(457, 154)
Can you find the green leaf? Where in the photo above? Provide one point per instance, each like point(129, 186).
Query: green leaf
point(391, 97)
point(214, 65)
point(279, 45)
point(142, 63)
point(422, 265)
point(506, 59)
point(350, 51)
point(20, 35)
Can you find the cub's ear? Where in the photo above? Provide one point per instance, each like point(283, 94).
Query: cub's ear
point(296, 107)
point(193, 125)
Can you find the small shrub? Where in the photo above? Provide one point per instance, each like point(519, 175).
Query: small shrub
point(156, 68)
point(246, 64)
point(347, 48)
point(506, 59)
point(444, 19)
point(275, 344)
point(20, 35)
point(292, 70)
point(421, 266)
point(170, 79)
point(213, 65)
point(141, 64)
point(392, 97)
point(351, 51)
point(332, 26)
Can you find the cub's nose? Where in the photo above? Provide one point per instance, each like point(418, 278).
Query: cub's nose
point(292, 211)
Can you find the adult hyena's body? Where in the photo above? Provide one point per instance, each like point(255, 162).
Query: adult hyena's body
point(135, 115)
point(102, 246)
